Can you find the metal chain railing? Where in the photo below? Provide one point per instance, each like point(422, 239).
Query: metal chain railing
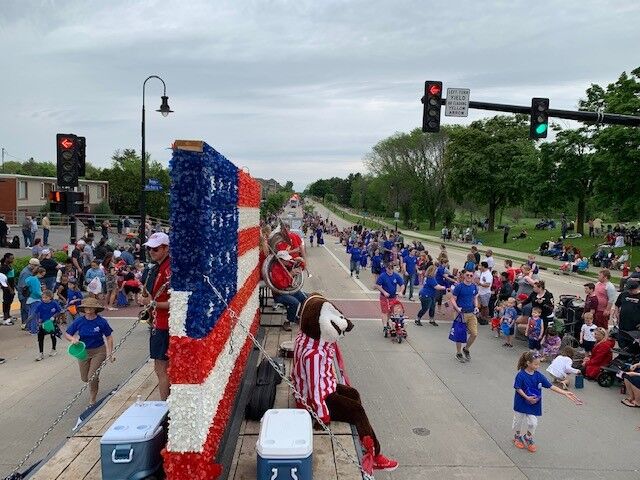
point(15, 475)
point(236, 320)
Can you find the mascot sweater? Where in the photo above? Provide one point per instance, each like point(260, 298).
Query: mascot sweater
point(313, 374)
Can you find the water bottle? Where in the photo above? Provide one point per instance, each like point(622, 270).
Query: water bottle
point(579, 381)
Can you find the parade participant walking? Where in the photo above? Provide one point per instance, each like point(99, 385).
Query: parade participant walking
point(388, 284)
point(409, 271)
point(428, 296)
point(95, 332)
point(465, 301)
point(158, 301)
point(527, 400)
point(354, 263)
point(47, 309)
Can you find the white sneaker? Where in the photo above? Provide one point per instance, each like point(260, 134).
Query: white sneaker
point(8, 321)
point(53, 353)
point(40, 357)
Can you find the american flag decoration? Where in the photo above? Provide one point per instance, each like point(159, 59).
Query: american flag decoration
point(215, 233)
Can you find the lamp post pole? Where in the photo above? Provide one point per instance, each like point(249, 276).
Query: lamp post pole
point(164, 110)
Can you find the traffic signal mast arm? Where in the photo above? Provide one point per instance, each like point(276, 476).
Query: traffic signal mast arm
point(580, 116)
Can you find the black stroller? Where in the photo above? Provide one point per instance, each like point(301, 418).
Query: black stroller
point(628, 353)
point(569, 310)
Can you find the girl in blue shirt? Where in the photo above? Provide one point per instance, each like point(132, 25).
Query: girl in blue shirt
point(47, 309)
point(527, 401)
point(376, 264)
point(428, 295)
point(94, 331)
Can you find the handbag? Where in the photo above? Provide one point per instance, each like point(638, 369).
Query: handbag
point(458, 332)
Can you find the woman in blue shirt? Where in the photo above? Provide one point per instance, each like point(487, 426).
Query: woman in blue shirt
point(94, 331)
point(428, 295)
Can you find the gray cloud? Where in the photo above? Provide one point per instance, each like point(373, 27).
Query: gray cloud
point(292, 89)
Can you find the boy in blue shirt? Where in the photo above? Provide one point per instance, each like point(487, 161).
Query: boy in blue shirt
point(508, 325)
point(535, 329)
point(74, 299)
point(376, 264)
point(465, 302)
point(356, 253)
point(388, 283)
point(409, 266)
point(46, 310)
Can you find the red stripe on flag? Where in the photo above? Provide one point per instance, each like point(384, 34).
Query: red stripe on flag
point(248, 190)
point(192, 359)
point(200, 466)
point(248, 239)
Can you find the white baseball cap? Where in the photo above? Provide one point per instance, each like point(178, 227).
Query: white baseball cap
point(157, 239)
point(117, 253)
point(284, 255)
point(34, 262)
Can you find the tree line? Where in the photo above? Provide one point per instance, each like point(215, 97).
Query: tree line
point(491, 164)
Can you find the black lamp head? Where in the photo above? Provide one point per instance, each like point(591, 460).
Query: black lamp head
point(164, 108)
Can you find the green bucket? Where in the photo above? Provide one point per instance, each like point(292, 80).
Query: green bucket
point(78, 350)
point(48, 326)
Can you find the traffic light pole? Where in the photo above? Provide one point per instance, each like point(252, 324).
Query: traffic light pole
point(580, 116)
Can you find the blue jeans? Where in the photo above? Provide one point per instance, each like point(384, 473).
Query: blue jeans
point(427, 304)
point(24, 310)
point(45, 238)
point(33, 322)
point(26, 235)
point(292, 302)
point(355, 266)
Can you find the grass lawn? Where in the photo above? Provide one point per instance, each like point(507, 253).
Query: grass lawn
point(494, 239)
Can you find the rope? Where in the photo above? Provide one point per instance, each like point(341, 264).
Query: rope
point(236, 320)
point(14, 475)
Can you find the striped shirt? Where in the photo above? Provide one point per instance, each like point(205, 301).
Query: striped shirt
point(313, 374)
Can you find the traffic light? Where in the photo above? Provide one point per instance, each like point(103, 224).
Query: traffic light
point(66, 202)
point(67, 164)
point(432, 101)
point(82, 156)
point(539, 118)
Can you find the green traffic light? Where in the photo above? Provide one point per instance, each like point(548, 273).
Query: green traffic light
point(540, 129)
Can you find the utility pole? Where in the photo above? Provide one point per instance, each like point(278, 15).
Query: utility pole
point(2, 159)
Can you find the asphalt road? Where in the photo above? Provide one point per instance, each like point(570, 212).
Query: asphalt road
point(442, 419)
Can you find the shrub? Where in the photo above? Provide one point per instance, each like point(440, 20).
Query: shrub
point(103, 208)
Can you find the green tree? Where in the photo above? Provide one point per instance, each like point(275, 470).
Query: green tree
point(617, 148)
point(288, 186)
point(124, 185)
point(489, 162)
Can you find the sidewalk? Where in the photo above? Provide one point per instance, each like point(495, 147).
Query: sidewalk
point(499, 252)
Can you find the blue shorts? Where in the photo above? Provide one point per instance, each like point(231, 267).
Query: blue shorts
point(159, 344)
point(534, 344)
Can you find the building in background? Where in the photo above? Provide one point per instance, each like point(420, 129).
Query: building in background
point(22, 195)
point(268, 187)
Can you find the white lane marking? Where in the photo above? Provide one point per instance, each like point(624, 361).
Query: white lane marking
point(346, 269)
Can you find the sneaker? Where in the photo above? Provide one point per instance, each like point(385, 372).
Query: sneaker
point(433, 323)
point(53, 353)
point(40, 357)
point(286, 326)
point(418, 322)
point(510, 345)
point(460, 358)
point(23, 326)
point(380, 462)
point(357, 276)
point(2, 360)
point(518, 441)
point(505, 344)
point(7, 322)
point(531, 446)
point(467, 354)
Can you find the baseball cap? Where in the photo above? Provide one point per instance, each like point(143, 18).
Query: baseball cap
point(117, 253)
point(632, 284)
point(81, 242)
point(34, 262)
point(284, 255)
point(157, 239)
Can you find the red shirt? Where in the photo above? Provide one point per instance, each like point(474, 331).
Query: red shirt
point(296, 243)
point(161, 315)
point(280, 276)
point(511, 273)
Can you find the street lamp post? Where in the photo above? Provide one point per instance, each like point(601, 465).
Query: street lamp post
point(393, 186)
point(164, 110)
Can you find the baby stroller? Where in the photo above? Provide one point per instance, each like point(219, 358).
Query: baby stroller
point(628, 354)
point(396, 330)
point(569, 310)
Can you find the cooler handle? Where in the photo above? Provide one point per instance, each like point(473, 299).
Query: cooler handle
point(119, 449)
point(293, 474)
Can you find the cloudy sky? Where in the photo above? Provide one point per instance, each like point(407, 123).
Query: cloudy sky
point(291, 89)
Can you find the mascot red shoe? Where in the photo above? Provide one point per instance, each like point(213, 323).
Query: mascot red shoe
point(321, 324)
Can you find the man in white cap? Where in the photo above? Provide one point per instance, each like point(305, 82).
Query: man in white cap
point(283, 271)
point(158, 248)
point(26, 272)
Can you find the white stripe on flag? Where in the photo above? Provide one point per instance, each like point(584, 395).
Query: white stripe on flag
point(193, 407)
point(248, 217)
point(246, 265)
point(178, 303)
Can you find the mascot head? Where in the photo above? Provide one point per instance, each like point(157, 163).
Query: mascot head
point(321, 320)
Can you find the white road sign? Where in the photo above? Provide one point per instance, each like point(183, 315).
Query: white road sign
point(457, 102)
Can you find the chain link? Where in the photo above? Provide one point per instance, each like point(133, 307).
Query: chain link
point(14, 475)
point(236, 320)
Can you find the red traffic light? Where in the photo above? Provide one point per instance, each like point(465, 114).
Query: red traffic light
point(55, 196)
point(435, 89)
point(66, 142)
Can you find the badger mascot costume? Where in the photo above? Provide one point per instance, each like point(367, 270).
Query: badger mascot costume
point(321, 324)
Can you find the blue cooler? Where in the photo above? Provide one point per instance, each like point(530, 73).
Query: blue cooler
point(130, 449)
point(285, 445)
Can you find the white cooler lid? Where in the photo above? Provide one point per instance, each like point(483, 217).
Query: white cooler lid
point(285, 433)
point(138, 423)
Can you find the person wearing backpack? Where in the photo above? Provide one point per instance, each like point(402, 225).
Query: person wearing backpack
point(26, 272)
